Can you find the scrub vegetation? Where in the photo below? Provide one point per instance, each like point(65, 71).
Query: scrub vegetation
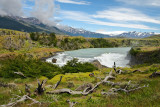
point(78, 84)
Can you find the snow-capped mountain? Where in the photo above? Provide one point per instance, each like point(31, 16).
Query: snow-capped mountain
point(80, 32)
point(135, 34)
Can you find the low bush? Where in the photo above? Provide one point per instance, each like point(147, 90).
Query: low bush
point(74, 66)
point(29, 67)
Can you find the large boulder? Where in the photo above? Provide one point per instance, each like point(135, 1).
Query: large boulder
point(54, 60)
point(97, 64)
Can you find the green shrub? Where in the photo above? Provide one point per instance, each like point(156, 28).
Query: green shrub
point(74, 66)
point(133, 52)
point(29, 67)
point(34, 36)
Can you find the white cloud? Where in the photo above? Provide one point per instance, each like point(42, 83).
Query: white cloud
point(80, 16)
point(44, 10)
point(142, 2)
point(125, 14)
point(74, 2)
point(102, 31)
point(11, 7)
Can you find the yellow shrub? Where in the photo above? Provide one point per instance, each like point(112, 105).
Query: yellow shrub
point(43, 78)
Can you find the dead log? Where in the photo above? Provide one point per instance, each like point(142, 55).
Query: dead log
point(154, 74)
point(92, 75)
point(40, 90)
point(9, 85)
point(84, 86)
point(86, 91)
point(136, 71)
point(64, 91)
point(22, 99)
point(56, 85)
point(21, 74)
point(27, 90)
point(125, 89)
point(109, 94)
point(71, 104)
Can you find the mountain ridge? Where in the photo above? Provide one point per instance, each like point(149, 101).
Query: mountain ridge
point(134, 34)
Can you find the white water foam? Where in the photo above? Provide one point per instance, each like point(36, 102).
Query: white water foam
point(106, 59)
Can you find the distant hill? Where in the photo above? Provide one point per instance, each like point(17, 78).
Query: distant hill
point(155, 36)
point(26, 25)
point(32, 24)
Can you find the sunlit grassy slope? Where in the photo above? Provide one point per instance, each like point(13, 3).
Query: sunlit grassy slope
point(148, 96)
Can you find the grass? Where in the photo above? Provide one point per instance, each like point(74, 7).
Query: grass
point(149, 96)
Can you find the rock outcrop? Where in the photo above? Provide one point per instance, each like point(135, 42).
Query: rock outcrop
point(97, 64)
point(54, 60)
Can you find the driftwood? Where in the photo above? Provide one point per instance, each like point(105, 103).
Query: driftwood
point(71, 104)
point(27, 90)
point(23, 98)
point(86, 91)
point(84, 86)
point(10, 85)
point(92, 75)
point(109, 94)
point(21, 74)
point(154, 74)
point(56, 85)
point(126, 90)
point(40, 90)
point(113, 91)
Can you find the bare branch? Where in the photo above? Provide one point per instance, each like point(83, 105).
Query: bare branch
point(56, 85)
point(27, 90)
point(23, 98)
point(21, 74)
point(86, 91)
point(40, 90)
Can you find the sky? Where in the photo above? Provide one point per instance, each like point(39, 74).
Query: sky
point(102, 16)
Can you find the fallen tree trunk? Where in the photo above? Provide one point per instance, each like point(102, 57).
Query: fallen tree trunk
point(125, 89)
point(86, 91)
point(10, 85)
point(23, 98)
point(27, 90)
point(154, 74)
point(20, 74)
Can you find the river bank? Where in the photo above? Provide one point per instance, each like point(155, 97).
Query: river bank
point(141, 55)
